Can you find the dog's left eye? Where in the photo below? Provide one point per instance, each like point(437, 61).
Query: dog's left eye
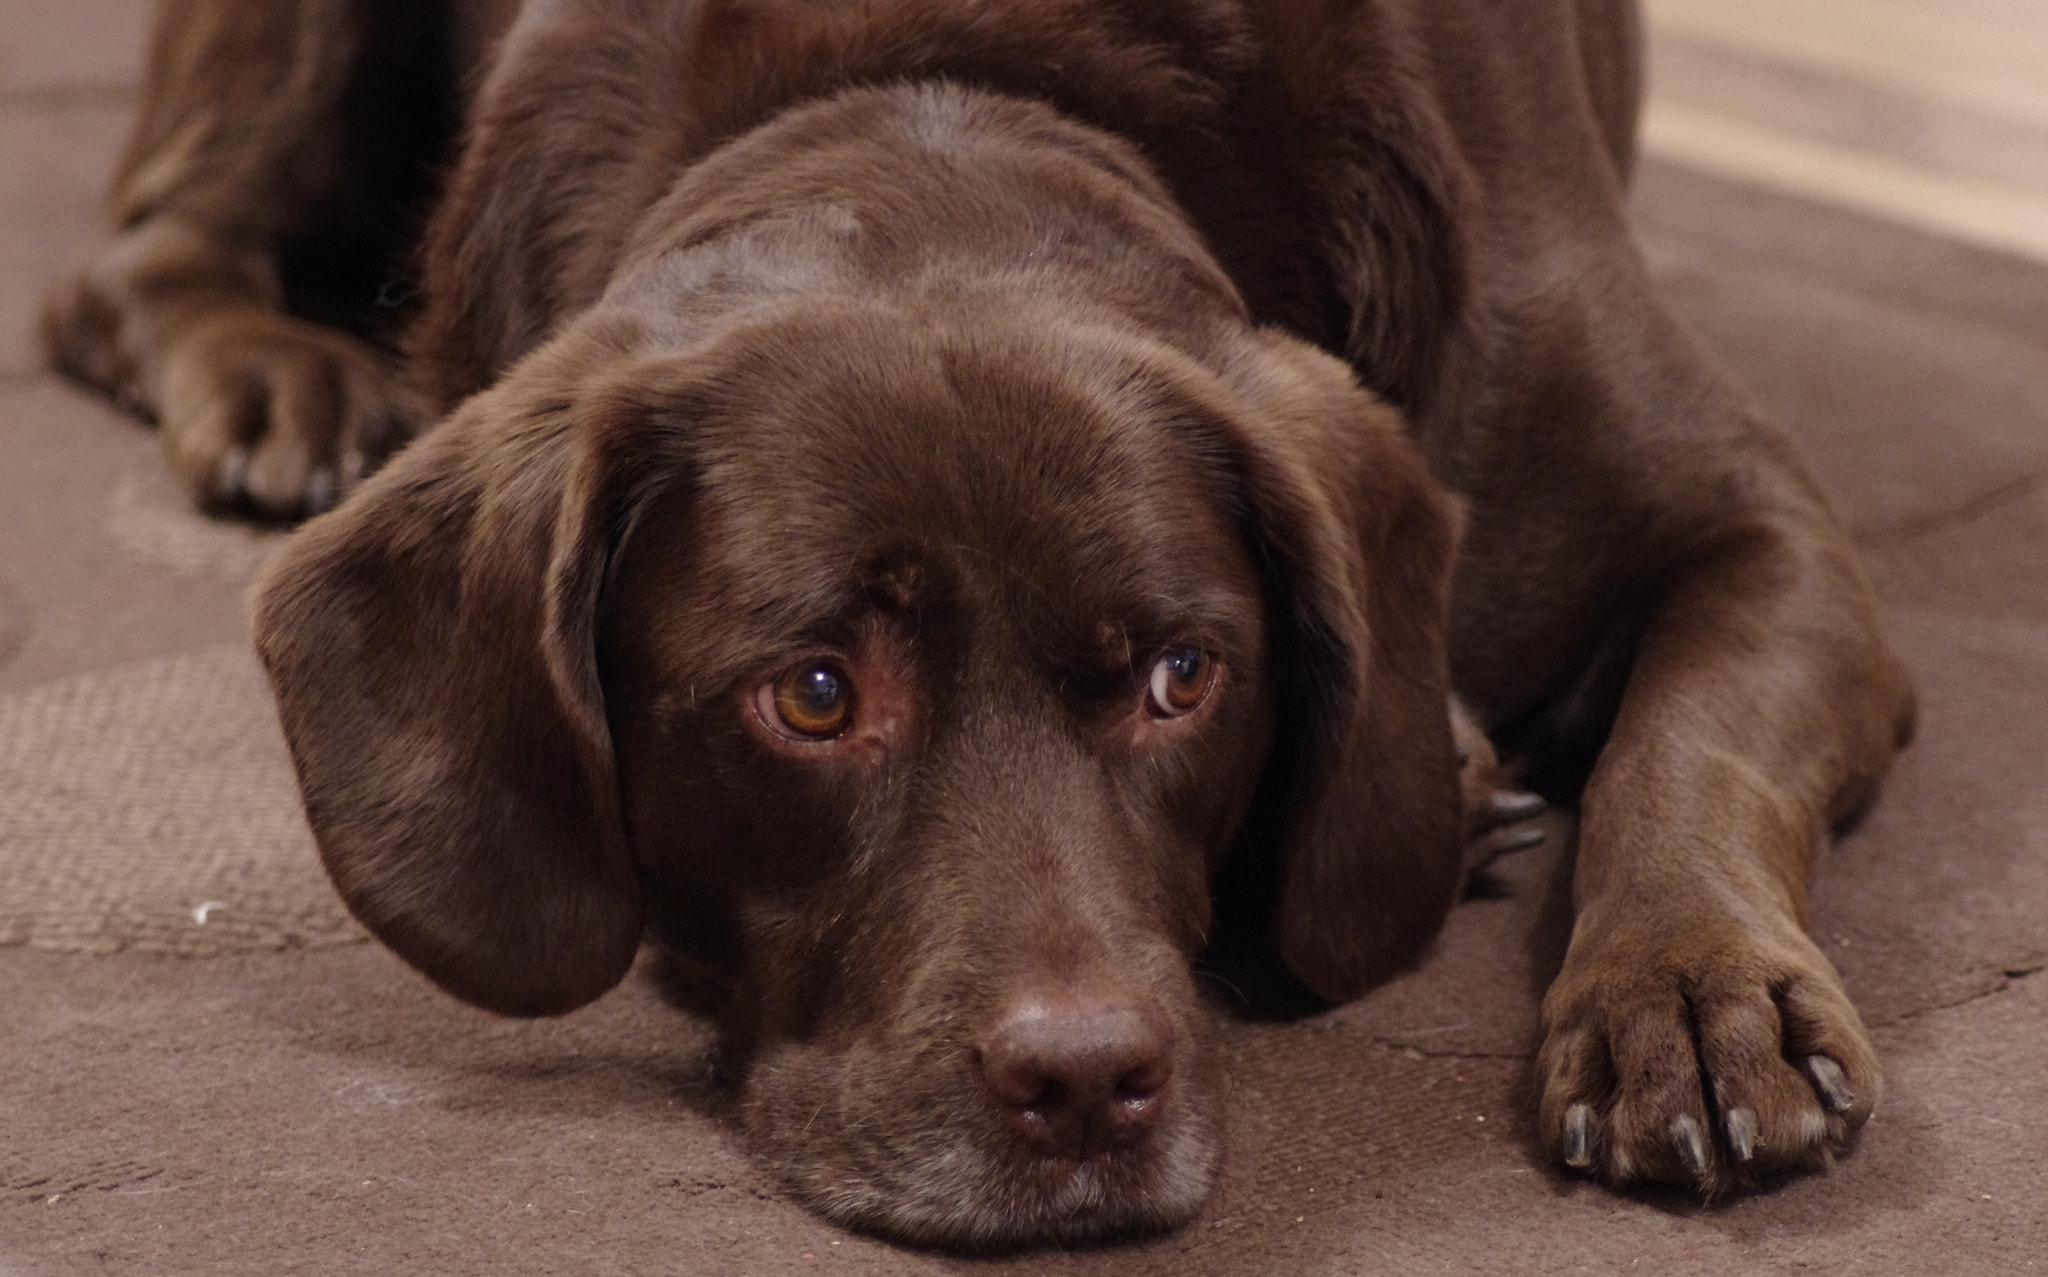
point(1180, 681)
point(810, 702)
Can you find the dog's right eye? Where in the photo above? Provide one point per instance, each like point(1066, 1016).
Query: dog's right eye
point(810, 702)
point(1180, 682)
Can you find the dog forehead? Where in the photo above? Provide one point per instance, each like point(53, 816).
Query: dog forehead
point(1030, 451)
point(1034, 485)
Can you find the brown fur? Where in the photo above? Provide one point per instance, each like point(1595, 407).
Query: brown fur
point(992, 350)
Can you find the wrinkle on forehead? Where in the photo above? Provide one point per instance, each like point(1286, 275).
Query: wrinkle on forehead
point(1020, 449)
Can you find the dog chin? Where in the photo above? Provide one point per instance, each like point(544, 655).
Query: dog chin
point(965, 1198)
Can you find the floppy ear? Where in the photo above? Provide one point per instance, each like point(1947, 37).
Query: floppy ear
point(1359, 814)
point(431, 647)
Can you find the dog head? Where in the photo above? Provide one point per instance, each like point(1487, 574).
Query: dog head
point(908, 680)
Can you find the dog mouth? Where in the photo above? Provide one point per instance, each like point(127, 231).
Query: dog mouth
point(937, 1166)
point(982, 1201)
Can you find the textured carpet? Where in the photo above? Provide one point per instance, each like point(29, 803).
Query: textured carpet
point(152, 809)
point(298, 1103)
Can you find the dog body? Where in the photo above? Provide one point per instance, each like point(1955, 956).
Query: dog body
point(944, 515)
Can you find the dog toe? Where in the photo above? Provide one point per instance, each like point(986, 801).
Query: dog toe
point(264, 412)
point(1721, 1073)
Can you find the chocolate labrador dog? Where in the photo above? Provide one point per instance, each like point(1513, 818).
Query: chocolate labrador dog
point(945, 516)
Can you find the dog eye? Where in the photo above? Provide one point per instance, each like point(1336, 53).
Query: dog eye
point(814, 702)
point(1180, 681)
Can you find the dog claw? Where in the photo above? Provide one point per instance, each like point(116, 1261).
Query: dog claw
point(1741, 1124)
point(1829, 1081)
point(1691, 1143)
point(233, 475)
point(1578, 1137)
point(1510, 807)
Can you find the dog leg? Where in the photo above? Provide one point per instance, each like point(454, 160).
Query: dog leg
point(275, 141)
point(1696, 1034)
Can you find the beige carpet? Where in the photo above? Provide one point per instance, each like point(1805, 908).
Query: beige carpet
point(114, 783)
point(151, 808)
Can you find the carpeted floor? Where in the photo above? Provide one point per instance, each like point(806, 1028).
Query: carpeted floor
point(203, 1068)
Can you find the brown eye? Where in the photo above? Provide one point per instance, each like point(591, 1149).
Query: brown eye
point(814, 702)
point(1180, 681)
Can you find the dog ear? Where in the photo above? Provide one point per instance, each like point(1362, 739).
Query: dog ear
point(431, 647)
point(1359, 813)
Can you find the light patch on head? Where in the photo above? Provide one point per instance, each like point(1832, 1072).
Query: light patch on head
point(805, 252)
point(942, 122)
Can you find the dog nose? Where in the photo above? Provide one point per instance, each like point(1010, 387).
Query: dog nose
point(1077, 1079)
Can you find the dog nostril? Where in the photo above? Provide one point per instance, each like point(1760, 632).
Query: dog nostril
point(1141, 1084)
point(1079, 1079)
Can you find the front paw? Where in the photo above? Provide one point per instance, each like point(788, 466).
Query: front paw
point(265, 411)
point(1714, 1056)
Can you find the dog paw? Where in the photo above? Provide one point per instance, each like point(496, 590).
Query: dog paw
point(1714, 1065)
point(266, 412)
point(1498, 818)
point(260, 411)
